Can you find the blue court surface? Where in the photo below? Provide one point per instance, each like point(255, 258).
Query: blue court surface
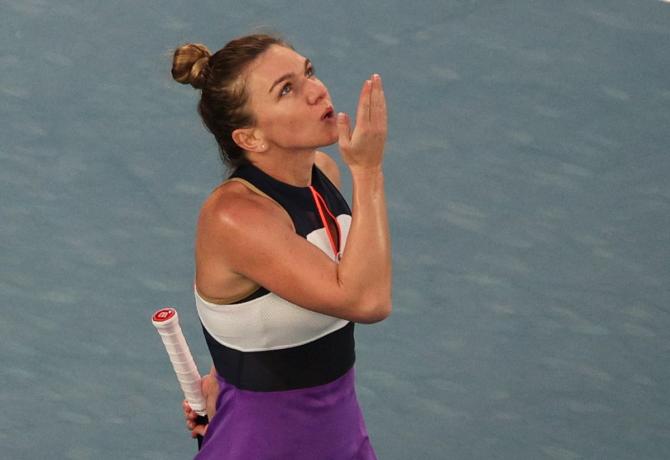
point(527, 175)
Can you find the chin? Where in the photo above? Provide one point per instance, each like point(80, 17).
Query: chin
point(315, 141)
point(332, 141)
point(333, 138)
point(326, 141)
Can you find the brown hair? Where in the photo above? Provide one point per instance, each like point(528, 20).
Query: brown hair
point(223, 100)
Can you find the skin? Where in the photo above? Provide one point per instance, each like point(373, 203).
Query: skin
point(234, 251)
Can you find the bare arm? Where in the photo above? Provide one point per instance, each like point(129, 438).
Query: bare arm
point(366, 263)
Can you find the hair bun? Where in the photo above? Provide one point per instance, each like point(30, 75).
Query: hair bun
point(188, 64)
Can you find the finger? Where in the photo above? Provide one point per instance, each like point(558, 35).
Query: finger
point(363, 111)
point(378, 101)
point(343, 129)
point(199, 430)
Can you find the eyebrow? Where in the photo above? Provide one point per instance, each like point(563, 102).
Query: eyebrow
point(287, 76)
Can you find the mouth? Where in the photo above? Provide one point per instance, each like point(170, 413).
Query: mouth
point(328, 114)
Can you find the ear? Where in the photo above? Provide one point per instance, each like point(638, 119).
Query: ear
point(250, 140)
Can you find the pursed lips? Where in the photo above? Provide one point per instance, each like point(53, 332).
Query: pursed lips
point(328, 113)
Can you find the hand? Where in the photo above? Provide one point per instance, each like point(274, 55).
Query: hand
point(364, 148)
point(190, 415)
point(210, 390)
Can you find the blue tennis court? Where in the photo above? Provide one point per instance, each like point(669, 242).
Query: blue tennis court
point(527, 175)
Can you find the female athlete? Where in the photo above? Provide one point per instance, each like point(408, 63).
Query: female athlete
point(283, 267)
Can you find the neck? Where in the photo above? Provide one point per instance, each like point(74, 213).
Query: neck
point(294, 168)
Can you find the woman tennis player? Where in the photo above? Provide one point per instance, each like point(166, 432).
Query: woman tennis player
point(284, 268)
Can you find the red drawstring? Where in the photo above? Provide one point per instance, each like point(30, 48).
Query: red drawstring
point(320, 206)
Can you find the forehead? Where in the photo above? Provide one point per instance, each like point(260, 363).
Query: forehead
point(272, 64)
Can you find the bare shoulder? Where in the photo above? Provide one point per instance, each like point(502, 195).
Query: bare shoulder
point(233, 207)
point(232, 220)
point(329, 167)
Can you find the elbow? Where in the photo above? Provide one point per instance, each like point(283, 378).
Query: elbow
point(380, 314)
point(375, 312)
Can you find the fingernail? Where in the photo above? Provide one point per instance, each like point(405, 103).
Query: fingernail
point(375, 76)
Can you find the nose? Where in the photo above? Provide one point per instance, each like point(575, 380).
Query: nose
point(315, 91)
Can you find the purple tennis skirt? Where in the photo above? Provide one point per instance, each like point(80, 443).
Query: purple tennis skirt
point(317, 423)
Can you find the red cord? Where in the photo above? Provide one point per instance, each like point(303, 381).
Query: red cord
point(320, 205)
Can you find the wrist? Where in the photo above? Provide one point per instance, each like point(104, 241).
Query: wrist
point(364, 172)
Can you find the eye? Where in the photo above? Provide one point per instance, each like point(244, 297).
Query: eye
point(285, 89)
point(310, 72)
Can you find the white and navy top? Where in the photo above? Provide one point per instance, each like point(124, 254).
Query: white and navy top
point(265, 343)
point(286, 374)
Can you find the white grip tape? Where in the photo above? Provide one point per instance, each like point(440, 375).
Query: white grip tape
point(180, 357)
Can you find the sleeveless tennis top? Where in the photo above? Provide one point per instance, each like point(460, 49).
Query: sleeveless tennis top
point(285, 373)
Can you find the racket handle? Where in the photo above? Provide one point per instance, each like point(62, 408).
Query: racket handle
point(166, 322)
